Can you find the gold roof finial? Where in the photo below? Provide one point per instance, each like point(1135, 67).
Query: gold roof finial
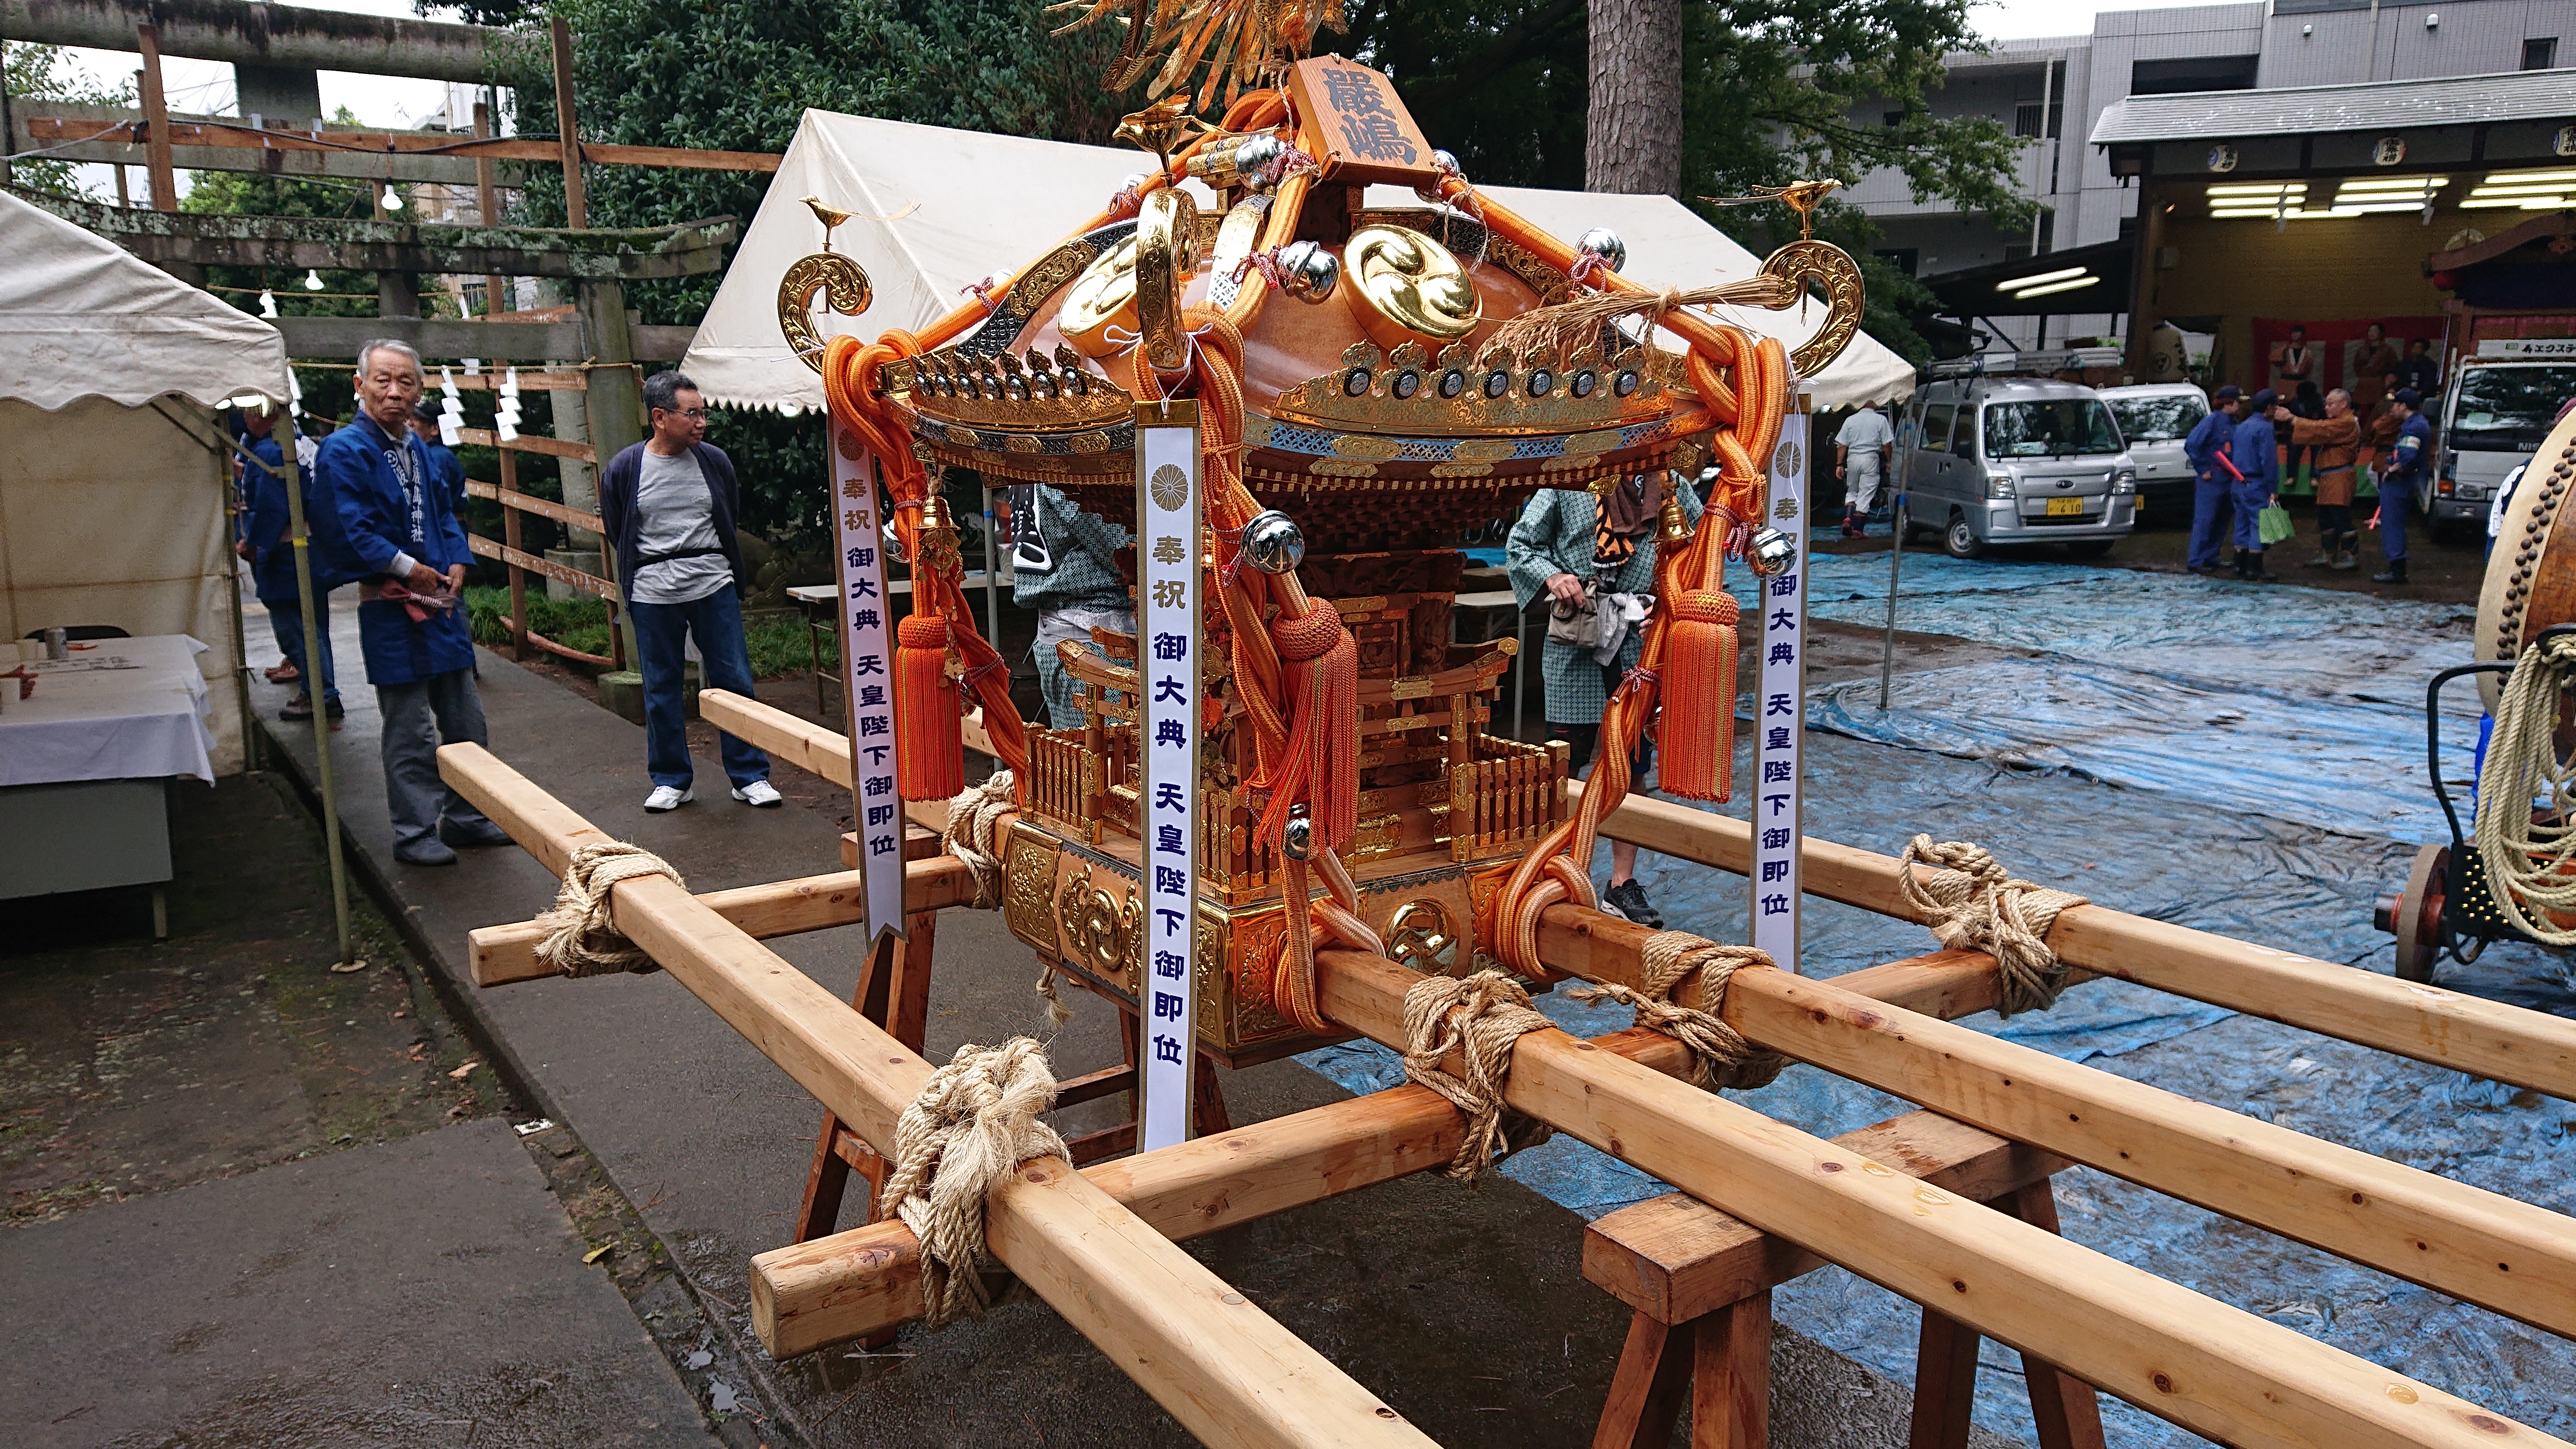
point(1162, 128)
point(830, 216)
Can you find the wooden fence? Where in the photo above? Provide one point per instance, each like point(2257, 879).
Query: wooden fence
point(508, 550)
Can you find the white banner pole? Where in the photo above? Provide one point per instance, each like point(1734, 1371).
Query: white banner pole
point(1169, 641)
point(867, 680)
point(1780, 623)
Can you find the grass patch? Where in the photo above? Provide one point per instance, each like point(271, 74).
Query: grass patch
point(778, 645)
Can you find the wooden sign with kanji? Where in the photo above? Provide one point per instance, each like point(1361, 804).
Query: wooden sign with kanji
point(1356, 128)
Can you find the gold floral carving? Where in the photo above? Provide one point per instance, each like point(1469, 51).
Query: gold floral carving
point(844, 285)
point(1029, 875)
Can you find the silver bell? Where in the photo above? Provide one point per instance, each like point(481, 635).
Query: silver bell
point(1298, 839)
point(1442, 160)
point(1255, 157)
point(1604, 243)
point(1273, 542)
point(1310, 272)
point(1770, 551)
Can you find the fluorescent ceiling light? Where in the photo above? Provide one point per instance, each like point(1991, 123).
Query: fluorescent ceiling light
point(2264, 188)
point(2396, 183)
point(2017, 283)
point(2509, 176)
point(2518, 203)
point(2070, 285)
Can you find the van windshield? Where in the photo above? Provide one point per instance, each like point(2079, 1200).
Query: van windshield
point(2509, 409)
point(2158, 419)
point(2052, 428)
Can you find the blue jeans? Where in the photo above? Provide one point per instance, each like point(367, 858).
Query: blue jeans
point(2250, 497)
point(725, 660)
point(287, 620)
point(2209, 495)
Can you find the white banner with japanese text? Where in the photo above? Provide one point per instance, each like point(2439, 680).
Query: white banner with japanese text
point(1780, 621)
point(1168, 642)
point(876, 811)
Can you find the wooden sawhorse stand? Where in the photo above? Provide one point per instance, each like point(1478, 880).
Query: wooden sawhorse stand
point(1701, 1283)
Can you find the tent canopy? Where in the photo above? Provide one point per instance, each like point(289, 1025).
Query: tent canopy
point(79, 317)
point(936, 211)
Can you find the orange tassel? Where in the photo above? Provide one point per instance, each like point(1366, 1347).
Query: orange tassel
point(1320, 667)
point(1699, 697)
point(931, 764)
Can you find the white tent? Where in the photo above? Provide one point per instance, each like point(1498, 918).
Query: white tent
point(939, 210)
point(113, 507)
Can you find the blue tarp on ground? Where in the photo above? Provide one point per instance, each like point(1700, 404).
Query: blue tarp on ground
point(2264, 851)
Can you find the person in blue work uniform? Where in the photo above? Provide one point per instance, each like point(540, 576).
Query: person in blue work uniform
point(2256, 451)
point(2212, 483)
point(442, 458)
point(398, 537)
point(265, 542)
point(2407, 459)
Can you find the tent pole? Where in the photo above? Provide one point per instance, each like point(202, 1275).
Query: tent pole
point(233, 512)
point(314, 644)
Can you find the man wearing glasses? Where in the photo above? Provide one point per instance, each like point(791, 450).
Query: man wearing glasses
point(668, 503)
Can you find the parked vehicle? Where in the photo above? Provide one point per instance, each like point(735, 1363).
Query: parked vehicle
point(1991, 460)
point(2495, 410)
point(2154, 418)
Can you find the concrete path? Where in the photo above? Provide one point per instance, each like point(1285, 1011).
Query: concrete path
point(427, 1292)
point(1465, 1310)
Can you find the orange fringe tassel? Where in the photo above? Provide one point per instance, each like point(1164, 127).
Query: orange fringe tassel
point(1699, 698)
point(1321, 669)
point(931, 765)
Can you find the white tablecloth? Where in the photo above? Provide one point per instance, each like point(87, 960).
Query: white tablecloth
point(90, 721)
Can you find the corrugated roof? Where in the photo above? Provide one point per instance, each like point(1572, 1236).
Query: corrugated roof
point(2530, 95)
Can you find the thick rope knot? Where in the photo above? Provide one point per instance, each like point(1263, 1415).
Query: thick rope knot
point(582, 938)
point(1479, 1018)
point(972, 817)
point(1706, 606)
point(971, 1125)
point(1974, 904)
point(2530, 865)
point(1721, 1056)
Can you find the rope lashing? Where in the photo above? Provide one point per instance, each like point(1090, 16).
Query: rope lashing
point(1721, 1057)
point(1479, 1018)
point(1974, 904)
point(581, 937)
point(971, 1125)
point(2530, 865)
point(972, 817)
point(1292, 976)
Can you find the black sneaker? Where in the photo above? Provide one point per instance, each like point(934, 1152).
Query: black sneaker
point(1627, 900)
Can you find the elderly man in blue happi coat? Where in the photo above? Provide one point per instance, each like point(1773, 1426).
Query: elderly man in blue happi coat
point(397, 534)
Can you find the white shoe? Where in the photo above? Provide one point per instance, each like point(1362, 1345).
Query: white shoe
point(665, 798)
point(760, 793)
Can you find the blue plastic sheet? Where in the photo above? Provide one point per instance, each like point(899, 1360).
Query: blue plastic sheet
point(2141, 793)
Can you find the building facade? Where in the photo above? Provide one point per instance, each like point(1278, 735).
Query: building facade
point(2056, 90)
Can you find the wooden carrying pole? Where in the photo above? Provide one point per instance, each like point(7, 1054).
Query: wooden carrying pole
point(1222, 1367)
point(1233, 1377)
point(2482, 1246)
point(2484, 1038)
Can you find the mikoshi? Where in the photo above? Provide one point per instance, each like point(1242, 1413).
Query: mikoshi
point(1356, 855)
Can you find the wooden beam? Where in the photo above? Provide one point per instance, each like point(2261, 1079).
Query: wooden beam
point(337, 337)
point(156, 119)
point(2484, 1038)
point(1226, 1370)
point(501, 955)
point(530, 503)
point(2216, 1370)
point(276, 138)
point(2465, 1241)
point(563, 573)
point(567, 128)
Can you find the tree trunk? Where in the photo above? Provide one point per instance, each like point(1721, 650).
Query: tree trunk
point(1634, 133)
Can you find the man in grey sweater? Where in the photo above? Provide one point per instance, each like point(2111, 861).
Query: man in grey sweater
point(669, 506)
